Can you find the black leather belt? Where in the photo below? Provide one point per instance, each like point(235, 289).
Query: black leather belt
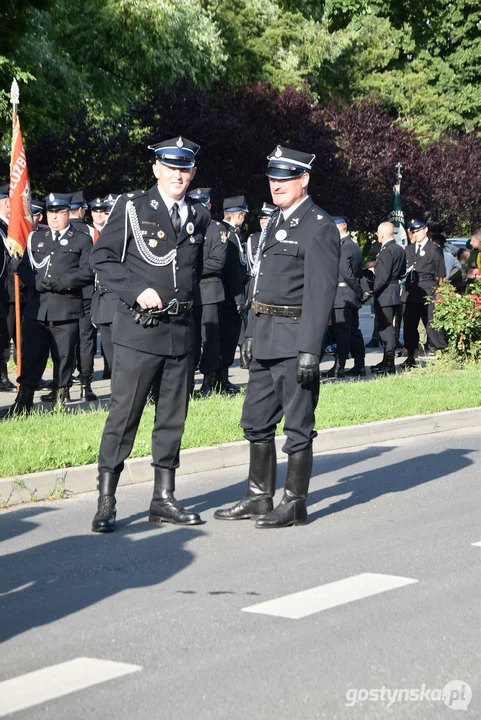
point(175, 307)
point(261, 308)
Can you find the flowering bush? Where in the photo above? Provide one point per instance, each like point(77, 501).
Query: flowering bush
point(460, 318)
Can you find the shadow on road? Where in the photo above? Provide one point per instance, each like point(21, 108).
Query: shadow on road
point(13, 524)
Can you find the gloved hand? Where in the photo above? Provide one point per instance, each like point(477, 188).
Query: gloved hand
point(307, 369)
point(241, 309)
point(246, 351)
point(367, 295)
point(56, 285)
point(42, 285)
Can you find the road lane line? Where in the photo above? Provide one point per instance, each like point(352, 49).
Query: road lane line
point(301, 604)
point(18, 589)
point(477, 544)
point(57, 680)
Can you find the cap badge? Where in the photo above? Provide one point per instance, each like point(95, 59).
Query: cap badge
point(223, 237)
point(154, 204)
point(51, 197)
point(110, 198)
point(190, 228)
point(278, 152)
point(161, 234)
point(198, 191)
point(153, 243)
point(64, 242)
point(180, 142)
point(294, 222)
point(319, 217)
point(281, 235)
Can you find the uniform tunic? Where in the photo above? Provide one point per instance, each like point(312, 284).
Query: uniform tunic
point(87, 331)
point(299, 266)
point(347, 303)
point(234, 277)
point(135, 252)
point(390, 269)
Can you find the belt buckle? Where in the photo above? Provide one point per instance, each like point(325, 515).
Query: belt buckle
point(174, 307)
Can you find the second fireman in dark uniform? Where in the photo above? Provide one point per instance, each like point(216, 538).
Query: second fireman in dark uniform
point(150, 255)
point(294, 289)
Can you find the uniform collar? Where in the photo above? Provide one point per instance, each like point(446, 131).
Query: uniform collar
point(170, 202)
point(287, 213)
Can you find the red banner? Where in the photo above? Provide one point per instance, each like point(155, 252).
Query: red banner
point(20, 222)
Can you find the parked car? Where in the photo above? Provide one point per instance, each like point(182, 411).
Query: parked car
point(455, 244)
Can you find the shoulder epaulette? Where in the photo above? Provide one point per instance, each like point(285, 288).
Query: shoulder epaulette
point(135, 194)
point(317, 214)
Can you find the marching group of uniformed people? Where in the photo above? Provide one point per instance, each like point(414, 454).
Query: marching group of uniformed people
point(172, 290)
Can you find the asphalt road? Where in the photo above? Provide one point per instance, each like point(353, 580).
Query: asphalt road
point(172, 601)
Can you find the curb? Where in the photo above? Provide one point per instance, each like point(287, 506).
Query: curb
point(51, 484)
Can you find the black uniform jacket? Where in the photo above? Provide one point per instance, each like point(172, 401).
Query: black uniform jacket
point(119, 259)
point(235, 268)
point(251, 249)
point(390, 269)
point(78, 224)
point(211, 287)
point(349, 293)
point(68, 263)
point(299, 265)
point(4, 272)
point(422, 270)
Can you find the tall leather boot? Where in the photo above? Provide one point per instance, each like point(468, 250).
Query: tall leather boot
point(5, 384)
point(409, 362)
point(292, 510)
point(387, 367)
point(23, 403)
point(104, 518)
point(86, 392)
point(261, 484)
point(375, 368)
point(208, 386)
point(164, 507)
point(337, 370)
point(223, 382)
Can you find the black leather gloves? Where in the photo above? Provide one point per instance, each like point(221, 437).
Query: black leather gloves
point(307, 369)
point(42, 285)
point(246, 352)
point(56, 285)
point(241, 309)
point(146, 318)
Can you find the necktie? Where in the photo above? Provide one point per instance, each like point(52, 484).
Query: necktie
point(56, 236)
point(280, 219)
point(175, 217)
point(417, 248)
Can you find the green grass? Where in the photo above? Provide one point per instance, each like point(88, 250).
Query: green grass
point(51, 441)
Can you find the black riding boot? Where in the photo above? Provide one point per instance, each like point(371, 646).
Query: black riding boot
point(377, 368)
point(223, 384)
point(22, 404)
point(164, 507)
point(261, 484)
point(387, 367)
point(86, 392)
point(5, 384)
point(337, 370)
point(292, 509)
point(208, 386)
point(104, 520)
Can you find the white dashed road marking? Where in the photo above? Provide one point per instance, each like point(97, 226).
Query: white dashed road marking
point(477, 544)
point(57, 680)
point(323, 597)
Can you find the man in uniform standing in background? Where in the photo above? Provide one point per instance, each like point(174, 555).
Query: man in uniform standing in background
point(294, 289)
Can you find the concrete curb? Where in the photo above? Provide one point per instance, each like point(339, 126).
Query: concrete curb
point(69, 481)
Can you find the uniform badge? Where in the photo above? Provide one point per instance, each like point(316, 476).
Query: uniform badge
point(294, 222)
point(278, 152)
point(223, 237)
point(161, 235)
point(180, 142)
point(153, 243)
point(154, 204)
point(41, 244)
point(194, 212)
point(130, 194)
point(192, 239)
point(51, 197)
point(190, 228)
point(63, 242)
point(281, 235)
point(422, 253)
point(319, 217)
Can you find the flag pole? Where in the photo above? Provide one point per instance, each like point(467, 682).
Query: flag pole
point(14, 99)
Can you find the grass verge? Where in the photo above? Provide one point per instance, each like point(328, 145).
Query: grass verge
point(50, 441)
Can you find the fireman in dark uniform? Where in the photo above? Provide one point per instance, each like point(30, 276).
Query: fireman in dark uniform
point(294, 289)
point(55, 266)
point(7, 266)
point(208, 298)
point(233, 309)
point(425, 268)
point(150, 255)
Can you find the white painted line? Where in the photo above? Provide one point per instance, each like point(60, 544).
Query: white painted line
point(323, 597)
point(477, 544)
point(18, 589)
point(57, 680)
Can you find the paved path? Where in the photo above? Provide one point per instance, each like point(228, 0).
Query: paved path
point(380, 589)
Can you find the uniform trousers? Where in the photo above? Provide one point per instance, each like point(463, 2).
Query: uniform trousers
point(412, 314)
point(107, 345)
point(230, 328)
point(87, 340)
point(387, 333)
point(134, 373)
point(207, 338)
point(273, 392)
point(41, 337)
point(347, 334)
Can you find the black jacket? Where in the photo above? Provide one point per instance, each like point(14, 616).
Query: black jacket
point(349, 291)
point(78, 224)
point(299, 265)
point(119, 259)
point(423, 269)
point(67, 262)
point(4, 271)
point(235, 268)
point(211, 287)
point(390, 269)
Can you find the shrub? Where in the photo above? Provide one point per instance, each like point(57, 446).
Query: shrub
point(460, 318)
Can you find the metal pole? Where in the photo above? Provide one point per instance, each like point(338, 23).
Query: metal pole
point(14, 99)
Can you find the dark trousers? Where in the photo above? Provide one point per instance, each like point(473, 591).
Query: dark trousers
point(413, 313)
point(273, 392)
point(134, 373)
point(9, 332)
point(207, 338)
point(230, 328)
point(41, 337)
point(387, 334)
point(348, 336)
point(107, 345)
point(87, 348)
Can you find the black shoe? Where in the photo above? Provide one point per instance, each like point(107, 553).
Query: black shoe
point(356, 372)
point(5, 384)
point(51, 397)
point(386, 367)
point(372, 343)
point(23, 403)
point(164, 507)
point(223, 384)
point(75, 379)
point(45, 385)
point(208, 386)
point(290, 511)
point(261, 484)
point(409, 362)
point(337, 370)
point(86, 392)
point(104, 518)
